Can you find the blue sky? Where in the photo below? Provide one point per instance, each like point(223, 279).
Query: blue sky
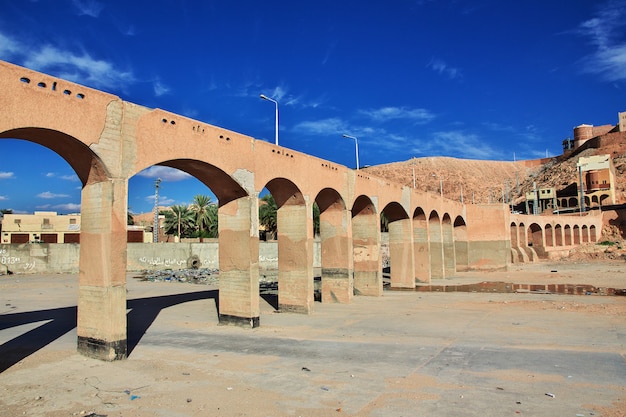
point(479, 79)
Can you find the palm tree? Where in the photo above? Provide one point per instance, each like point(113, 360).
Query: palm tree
point(179, 220)
point(205, 212)
point(267, 215)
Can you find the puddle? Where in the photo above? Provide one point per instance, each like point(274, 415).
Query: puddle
point(509, 287)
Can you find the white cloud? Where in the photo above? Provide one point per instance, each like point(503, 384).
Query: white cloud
point(88, 7)
point(163, 200)
point(73, 207)
point(604, 31)
point(322, 127)
point(49, 195)
point(81, 67)
point(386, 114)
point(461, 144)
point(160, 88)
point(165, 173)
point(6, 175)
point(442, 68)
point(3, 198)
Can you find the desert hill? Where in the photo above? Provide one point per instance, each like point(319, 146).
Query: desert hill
point(484, 182)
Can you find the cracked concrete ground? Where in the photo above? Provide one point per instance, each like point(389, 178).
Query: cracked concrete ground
point(402, 354)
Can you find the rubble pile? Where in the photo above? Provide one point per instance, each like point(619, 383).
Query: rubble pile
point(202, 276)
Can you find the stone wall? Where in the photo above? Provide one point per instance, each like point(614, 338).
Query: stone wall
point(62, 258)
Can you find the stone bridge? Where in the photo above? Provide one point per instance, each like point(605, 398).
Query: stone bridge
point(107, 140)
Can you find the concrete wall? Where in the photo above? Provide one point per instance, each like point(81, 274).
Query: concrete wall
point(62, 258)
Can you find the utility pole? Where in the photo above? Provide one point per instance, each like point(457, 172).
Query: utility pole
point(155, 227)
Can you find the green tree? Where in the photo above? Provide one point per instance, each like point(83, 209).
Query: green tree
point(179, 221)
point(267, 215)
point(205, 212)
point(316, 219)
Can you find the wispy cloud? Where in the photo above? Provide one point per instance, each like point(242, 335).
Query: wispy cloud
point(6, 175)
point(160, 88)
point(163, 200)
point(386, 114)
point(322, 127)
point(444, 69)
point(165, 173)
point(49, 195)
point(3, 198)
point(78, 67)
point(605, 31)
point(90, 8)
point(73, 207)
point(459, 143)
point(73, 178)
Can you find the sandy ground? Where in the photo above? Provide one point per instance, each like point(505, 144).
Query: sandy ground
point(402, 354)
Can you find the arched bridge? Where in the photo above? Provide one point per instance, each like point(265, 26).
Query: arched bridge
point(107, 140)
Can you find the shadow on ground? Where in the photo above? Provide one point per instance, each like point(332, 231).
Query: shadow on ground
point(59, 321)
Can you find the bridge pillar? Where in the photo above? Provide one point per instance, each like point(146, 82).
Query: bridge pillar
point(401, 260)
point(435, 248)
point(337, 258)
point(368, 276)
point(295, 257)
point(239, 262)
point(101, 321)
point(449, 258)
point(420, 249)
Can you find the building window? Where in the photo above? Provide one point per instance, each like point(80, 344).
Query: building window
point(17, 221)
point(72, 221)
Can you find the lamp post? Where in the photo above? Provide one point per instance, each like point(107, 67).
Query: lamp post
point(155, 226)
point(356, 144)
point(264, 97)
point(440, 184)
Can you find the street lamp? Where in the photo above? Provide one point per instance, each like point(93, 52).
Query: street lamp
point(440, 184)
point(264, 97)
point(356, 144)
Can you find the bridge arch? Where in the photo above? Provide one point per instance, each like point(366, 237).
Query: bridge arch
point(336, 247)
point(567, 235)
point(447, 232)
point(558, 235)
point(461, 244)
point(368, 279)
point(295, 246)
point(420, 246)
point(400, 246)
point(101, 319)
point(436, 246)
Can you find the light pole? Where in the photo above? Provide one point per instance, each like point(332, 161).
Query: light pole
point(356, 144)
point(264, 97)
point(155, 226)
point(440, 184)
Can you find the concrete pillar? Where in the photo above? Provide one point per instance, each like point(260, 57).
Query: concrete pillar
point(368, 277)
point(449, 258)
point(295, 257)
point(239, 262)
point(401, 254)
point(337, 255)
point(420, 248)
point(101, 321)
point(435, 247)
point(461, 246)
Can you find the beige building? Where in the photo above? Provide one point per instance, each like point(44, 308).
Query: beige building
point(42, 226)
point(598, 174)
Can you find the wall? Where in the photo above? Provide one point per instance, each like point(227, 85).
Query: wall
point(60, 258)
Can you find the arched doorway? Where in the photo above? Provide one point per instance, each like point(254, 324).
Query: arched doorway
point(368, 278)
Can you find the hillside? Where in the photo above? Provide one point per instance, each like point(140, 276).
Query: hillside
point(485, 182)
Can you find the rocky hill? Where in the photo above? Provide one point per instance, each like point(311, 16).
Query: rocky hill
point(484, 182)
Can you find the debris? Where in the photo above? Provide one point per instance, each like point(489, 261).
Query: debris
point(304, 368)
point(229, 388)
point(549, 394)
point(134, 397)
point(500, 388)
point(188, 400)
point(324, 388)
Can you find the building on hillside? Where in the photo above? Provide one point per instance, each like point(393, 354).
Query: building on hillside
point(584, 133)
point(598, 175)
point(42, 226)
point(543, 201)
